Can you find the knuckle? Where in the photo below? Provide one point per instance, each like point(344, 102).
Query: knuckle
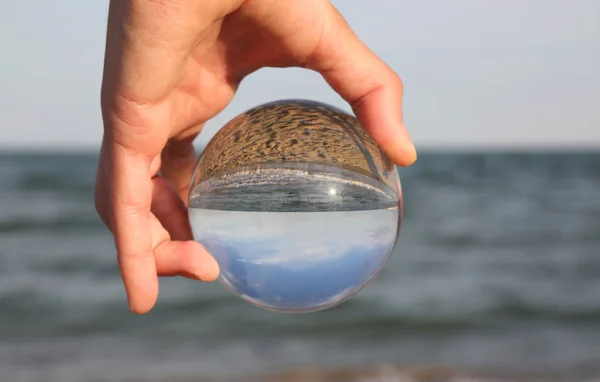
point(399, 82)
point(133, 256)
point(100, 205)
point(133, 125)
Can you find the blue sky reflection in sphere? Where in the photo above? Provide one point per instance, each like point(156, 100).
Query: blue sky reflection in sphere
point(300, 208)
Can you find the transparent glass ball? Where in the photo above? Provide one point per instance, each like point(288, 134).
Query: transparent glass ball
point(298, 205)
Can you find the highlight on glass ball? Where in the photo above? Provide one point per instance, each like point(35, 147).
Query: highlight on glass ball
point(298, 205)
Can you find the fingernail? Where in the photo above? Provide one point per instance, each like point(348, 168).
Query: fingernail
point(405, 153)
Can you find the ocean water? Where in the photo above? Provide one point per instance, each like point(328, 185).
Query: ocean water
point(496, 277)
point(295, 239)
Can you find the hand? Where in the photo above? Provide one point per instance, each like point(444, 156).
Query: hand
point(170, 66)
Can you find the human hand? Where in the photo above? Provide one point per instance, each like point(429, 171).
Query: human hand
point(171, 65)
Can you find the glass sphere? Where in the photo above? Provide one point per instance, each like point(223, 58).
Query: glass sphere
point(298, 205)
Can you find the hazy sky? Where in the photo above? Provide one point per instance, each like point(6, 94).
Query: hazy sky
point(476, 72)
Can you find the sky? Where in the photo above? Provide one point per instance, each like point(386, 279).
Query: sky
point(477, 73)
point(307, 236)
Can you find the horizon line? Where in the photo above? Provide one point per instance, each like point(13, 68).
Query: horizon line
point(425, 149)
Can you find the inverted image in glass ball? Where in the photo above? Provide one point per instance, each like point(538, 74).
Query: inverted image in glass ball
point(298, 205)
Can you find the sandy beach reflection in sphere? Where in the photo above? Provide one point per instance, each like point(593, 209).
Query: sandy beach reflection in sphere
point(298, 205)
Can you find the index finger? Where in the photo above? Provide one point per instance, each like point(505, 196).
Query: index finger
point(130, 201)
point(370, 86)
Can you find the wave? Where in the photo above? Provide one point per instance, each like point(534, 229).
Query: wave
point(218, 318)
point(72, 184)
point(74, 222)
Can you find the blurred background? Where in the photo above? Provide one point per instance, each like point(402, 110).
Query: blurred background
point(497, 272)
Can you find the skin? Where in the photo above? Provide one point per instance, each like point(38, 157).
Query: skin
point(171, 65)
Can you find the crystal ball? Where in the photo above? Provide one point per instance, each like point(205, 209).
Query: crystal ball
point(298, 205)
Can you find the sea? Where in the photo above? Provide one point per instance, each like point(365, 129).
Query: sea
point(495, 277)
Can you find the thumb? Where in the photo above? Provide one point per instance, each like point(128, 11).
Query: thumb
point(370, 86)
